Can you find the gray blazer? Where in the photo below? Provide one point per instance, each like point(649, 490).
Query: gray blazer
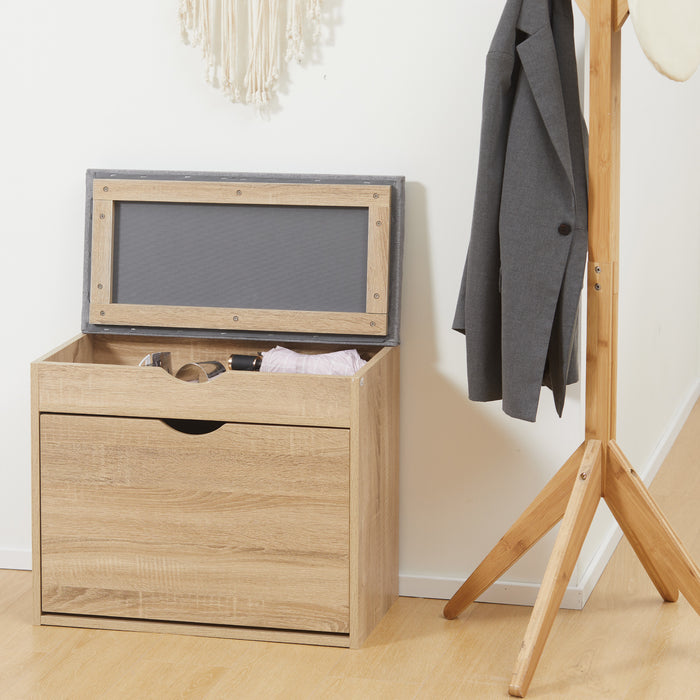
point(519, 300)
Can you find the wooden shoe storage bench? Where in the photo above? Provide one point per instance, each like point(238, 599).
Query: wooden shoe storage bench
point(255, 505)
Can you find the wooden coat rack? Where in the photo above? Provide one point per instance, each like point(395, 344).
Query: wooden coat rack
point(598, 468)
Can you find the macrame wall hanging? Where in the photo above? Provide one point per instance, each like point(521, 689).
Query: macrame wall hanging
point(242, 41)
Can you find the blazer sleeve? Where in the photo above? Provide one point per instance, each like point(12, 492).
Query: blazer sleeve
point(478, 312)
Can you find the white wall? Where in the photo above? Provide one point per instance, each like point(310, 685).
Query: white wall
point(396, 89)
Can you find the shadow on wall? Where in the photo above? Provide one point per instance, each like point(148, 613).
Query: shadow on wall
point(466, 472)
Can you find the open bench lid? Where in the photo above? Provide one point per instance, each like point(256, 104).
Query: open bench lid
point(250, 256)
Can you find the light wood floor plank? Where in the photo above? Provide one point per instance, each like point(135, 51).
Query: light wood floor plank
point(625, 645)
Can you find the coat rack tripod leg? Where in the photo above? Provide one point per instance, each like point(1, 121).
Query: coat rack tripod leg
point(621, 481)
point(609, 474)
point(637, 513)
point(585, 496)
point(539, 518)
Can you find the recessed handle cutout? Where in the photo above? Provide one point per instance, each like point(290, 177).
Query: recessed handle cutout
point(192, 427)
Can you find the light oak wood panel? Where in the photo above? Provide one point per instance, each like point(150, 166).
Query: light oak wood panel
point(102, 251)
point(258, 634)
point(374, 493)
point(130, 349)
point(247, 525)
point(77, 349)
point(378, 259)
point(108, 349)
point(227, 192)
point(276, 320)
point(250, 397)
point(287, 612)
point(36, 493)
point(108, 384)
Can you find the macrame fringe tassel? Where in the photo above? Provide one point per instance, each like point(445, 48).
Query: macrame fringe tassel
point(230, 83)
point(262, 26)
point(297, 10)
point(264, 65)
point(195, 25)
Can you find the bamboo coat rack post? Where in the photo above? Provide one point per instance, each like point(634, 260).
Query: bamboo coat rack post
point(598, 468)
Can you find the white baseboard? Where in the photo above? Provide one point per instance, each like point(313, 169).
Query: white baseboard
point(16, 559)
point(575, 597)
point(506, 592)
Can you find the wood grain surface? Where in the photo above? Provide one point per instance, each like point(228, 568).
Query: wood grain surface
point(247, 525)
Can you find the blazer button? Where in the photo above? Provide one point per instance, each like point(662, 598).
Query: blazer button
point(565, 229)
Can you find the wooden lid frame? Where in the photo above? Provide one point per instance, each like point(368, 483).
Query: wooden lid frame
point(381, 197)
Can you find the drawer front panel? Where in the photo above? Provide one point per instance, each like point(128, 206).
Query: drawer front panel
point(247, 525)
point(249, 397)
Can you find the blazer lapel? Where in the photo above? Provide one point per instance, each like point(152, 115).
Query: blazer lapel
point(538, 57)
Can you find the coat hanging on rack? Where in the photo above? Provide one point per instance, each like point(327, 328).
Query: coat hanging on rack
point(598, 468)
point(519, 299)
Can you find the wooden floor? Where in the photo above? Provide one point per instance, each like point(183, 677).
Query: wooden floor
point(626, 643)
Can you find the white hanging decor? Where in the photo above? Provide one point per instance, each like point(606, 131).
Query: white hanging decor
point(242, 40)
